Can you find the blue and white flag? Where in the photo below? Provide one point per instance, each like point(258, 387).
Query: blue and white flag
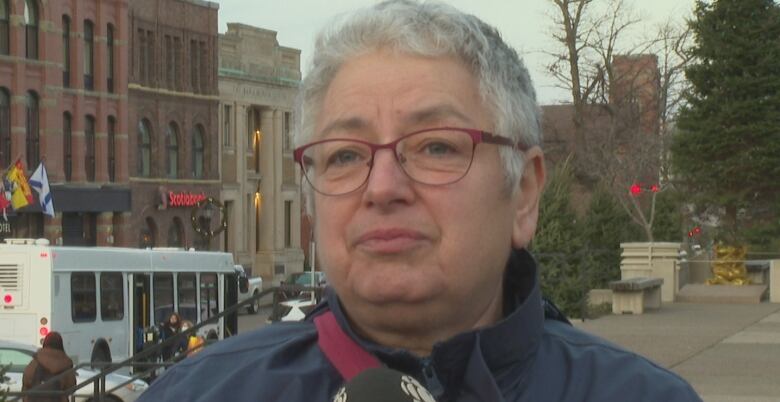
point(39, 181)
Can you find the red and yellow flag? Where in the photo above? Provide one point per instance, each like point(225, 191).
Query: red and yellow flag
point(21, 194)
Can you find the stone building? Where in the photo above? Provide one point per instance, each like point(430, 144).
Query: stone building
point(258, 80)
point(63, 100)
point(173, 120)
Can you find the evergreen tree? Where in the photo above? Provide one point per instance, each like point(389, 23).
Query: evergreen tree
point(727, 152)
point(668, 218)
point(558, 245)
point(605, 226)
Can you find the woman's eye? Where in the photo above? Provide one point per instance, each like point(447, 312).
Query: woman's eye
point(438, 148)
point(344, 157)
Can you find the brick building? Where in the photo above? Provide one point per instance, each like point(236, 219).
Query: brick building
point(258, 80)
point(63, 100)
point(173, 116)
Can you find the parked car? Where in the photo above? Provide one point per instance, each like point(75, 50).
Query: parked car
point(249, 287)
point(302, 279)
point(19, 355)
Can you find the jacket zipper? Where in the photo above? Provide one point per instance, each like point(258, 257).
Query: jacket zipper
point(432, 382)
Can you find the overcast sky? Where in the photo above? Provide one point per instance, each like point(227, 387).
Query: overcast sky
point(525, 24)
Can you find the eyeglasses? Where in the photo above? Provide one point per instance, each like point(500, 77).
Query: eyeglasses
point(436, 157)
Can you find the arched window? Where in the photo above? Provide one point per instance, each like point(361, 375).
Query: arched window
point(144, 149)
point(149, 234)
point(5, 127)
point(89, 54)
point(111, 148)
point(67, 144)
point(175, 233)
point(198, 152)
point(31, 28)
point(110, 51)
point(65, 51)
point(5, 32)
point(89, 142)
point(33, 132)
point(172, 151)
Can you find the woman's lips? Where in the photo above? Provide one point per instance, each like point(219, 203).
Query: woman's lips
point(389, 241)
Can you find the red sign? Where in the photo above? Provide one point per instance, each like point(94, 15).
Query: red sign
point(184, 199)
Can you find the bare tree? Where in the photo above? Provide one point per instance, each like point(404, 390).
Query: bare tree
point(623, 98)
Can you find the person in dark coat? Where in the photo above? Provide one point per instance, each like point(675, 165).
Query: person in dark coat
point(47, 363)
point(419, 140)
point(170, 328)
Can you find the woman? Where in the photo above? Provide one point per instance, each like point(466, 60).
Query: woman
point(47, 363)
point(170, 328)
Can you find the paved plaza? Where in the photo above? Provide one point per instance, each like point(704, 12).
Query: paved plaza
point(728, 352)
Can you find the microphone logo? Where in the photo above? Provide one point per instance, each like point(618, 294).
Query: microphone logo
point(341, 396)
point(415, 390)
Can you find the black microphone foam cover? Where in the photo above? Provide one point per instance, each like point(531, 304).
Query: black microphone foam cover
point(383, 385)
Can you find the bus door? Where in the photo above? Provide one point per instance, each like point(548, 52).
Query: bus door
point(141, 322)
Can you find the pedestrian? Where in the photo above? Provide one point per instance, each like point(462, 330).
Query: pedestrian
point(193, 343)
point(48, 362)
point(168, 329)
point(418, 134)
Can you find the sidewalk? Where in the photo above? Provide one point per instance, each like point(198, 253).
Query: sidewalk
point(728, 352)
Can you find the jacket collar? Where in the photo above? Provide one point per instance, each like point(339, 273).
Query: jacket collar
point(512, 341)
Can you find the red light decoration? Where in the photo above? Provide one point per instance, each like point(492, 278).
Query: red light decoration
point(44, 255)
point(635, 189)
point(8, 299)
point(655, 188)
point(43, 331)
point(697, 230)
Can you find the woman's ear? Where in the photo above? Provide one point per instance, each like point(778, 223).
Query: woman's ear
point(527, 198)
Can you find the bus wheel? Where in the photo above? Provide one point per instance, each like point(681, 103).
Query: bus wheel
point(254, 307)
point(101, 353)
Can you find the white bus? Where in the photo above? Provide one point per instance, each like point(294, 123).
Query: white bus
point(104, 299)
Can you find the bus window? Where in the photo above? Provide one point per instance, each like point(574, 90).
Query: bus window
point(112, 301)
point(209, 295)
point(82, 303)
point(187, 293)
point(163, 296)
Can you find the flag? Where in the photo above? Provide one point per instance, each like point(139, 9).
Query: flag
point(39, 181)
point(5, 198)
point(21, 195)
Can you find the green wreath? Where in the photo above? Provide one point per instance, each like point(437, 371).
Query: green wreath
point(208, 233)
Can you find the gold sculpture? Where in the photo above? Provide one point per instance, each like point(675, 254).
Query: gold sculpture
point(729, 266)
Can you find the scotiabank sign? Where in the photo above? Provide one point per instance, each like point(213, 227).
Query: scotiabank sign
point(184, 199)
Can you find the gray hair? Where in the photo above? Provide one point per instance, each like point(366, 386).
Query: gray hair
point(430, 29)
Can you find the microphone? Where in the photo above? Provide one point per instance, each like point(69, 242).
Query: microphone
point(383, 385)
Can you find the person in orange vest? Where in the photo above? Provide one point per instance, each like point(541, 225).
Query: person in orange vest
point(195, 342)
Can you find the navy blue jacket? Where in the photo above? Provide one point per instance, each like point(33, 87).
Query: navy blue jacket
point(524, 357)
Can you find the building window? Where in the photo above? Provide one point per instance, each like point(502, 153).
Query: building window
point(67, 145)
point(163, 296)
point(172, 151)
point(203, 63)
point(288, 224)
point(177, 55)
point(198, 152)
point(5, 127)
point(144, 149)
point(111, 148)
point(141, 38)
point(227, 133)
point(89, 55)
point(65, 51)
point(110, 51)
point(5, 26)
point(89, 154)
point(287, 130)
point(82, 291)
point(175, 233)
point(169, 67)
point(194, 66)
point(151, 74)
point(33, 132)
point(31, 29)
point(112, 301)
point(149, 234)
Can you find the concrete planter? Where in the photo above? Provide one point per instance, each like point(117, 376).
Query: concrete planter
point(653, 260)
